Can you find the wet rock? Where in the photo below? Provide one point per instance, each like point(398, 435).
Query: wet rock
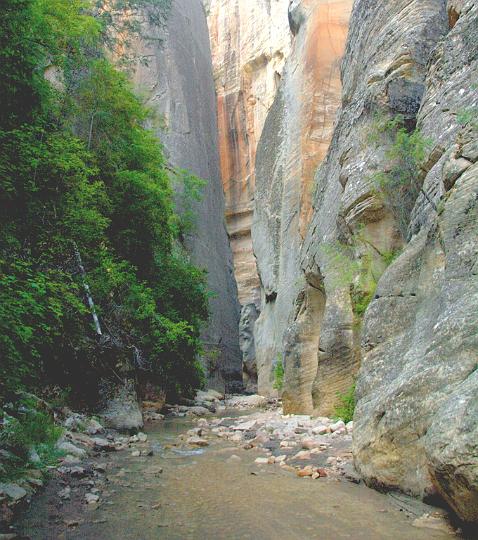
point(351, 474)
point(234, 459)
point(197, 441)
point(103, 444)
point(142, 437)
point(246, 426)
point(306, 471)
point(197, 411)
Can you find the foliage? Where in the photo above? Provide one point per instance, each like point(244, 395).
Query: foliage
point(344, 410)
point(278, 375)
point(27, 429)
point(79, 171)
point(401, 184)
point(357, 266)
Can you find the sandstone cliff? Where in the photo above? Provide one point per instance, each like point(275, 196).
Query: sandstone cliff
point(250, 42)
point(179, 86)
point(294, 141)
point(321, 255)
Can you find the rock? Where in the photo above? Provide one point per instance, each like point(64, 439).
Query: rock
point(322, 472)
point(350, 427)
point(135, 453)
point(262, 461)
point(33, 456)
point(180, 65)
point(321, 430)
point(261, 32)
point(309, 444)
point(208, 395)
point(246, 426)
point(103, 444)
point(93, 427)
point(65, 493)
point(351, 474)
point(142, 437)
point(91, 498)
point(197, 441)
point(307, 471)
point(100, 467)
point(234, 459)
point(13, 492)
point(71, 449)
point(122, 411)
point(75, 470)
point(249, 315)
point(260, 439)
point(436, 522)
point(302, 455)
point(197, 411)
point(338, 426)
point(246, 402)
point(280, 459)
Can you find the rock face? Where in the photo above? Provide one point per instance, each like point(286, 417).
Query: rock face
point(294, 141)
point(415, 422)
point(179, 86)
point(250, 41)
point(417, 394)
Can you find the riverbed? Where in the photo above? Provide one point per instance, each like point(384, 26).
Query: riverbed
point(204, 493)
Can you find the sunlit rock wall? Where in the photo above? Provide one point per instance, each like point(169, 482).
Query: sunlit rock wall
point(250, 42)
point(295, 139)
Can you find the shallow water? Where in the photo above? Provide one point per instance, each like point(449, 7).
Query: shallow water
point(202, 496)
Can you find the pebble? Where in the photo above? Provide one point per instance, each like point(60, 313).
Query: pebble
point(261, 461)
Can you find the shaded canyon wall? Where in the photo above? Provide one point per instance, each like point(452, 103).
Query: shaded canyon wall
point(178, 83)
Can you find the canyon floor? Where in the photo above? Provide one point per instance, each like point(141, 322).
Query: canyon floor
point(239, 475)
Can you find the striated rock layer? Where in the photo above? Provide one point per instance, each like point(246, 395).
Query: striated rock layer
point(415, 425)
point(179, 86)
point(416, 416)
point(250, 41)
point(294, 141)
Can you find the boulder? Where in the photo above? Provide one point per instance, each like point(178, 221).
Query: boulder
point(122, 411)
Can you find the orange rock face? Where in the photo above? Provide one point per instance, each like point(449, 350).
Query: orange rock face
point(250, 41)
point(321, 92)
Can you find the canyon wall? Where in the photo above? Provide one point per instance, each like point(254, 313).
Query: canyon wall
point(250, 41)
point(416, 417)
point(178, 83)
point(295, 139)
point(343, 283)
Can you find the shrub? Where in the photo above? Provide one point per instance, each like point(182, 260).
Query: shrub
point(278, 375)
point(345, 408)
point(25, 430)
point(401, 183)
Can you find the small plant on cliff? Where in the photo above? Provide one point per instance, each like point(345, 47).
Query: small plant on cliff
point(345, 408)
point(401, 182)
point(279, 375)
point(358, 266)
